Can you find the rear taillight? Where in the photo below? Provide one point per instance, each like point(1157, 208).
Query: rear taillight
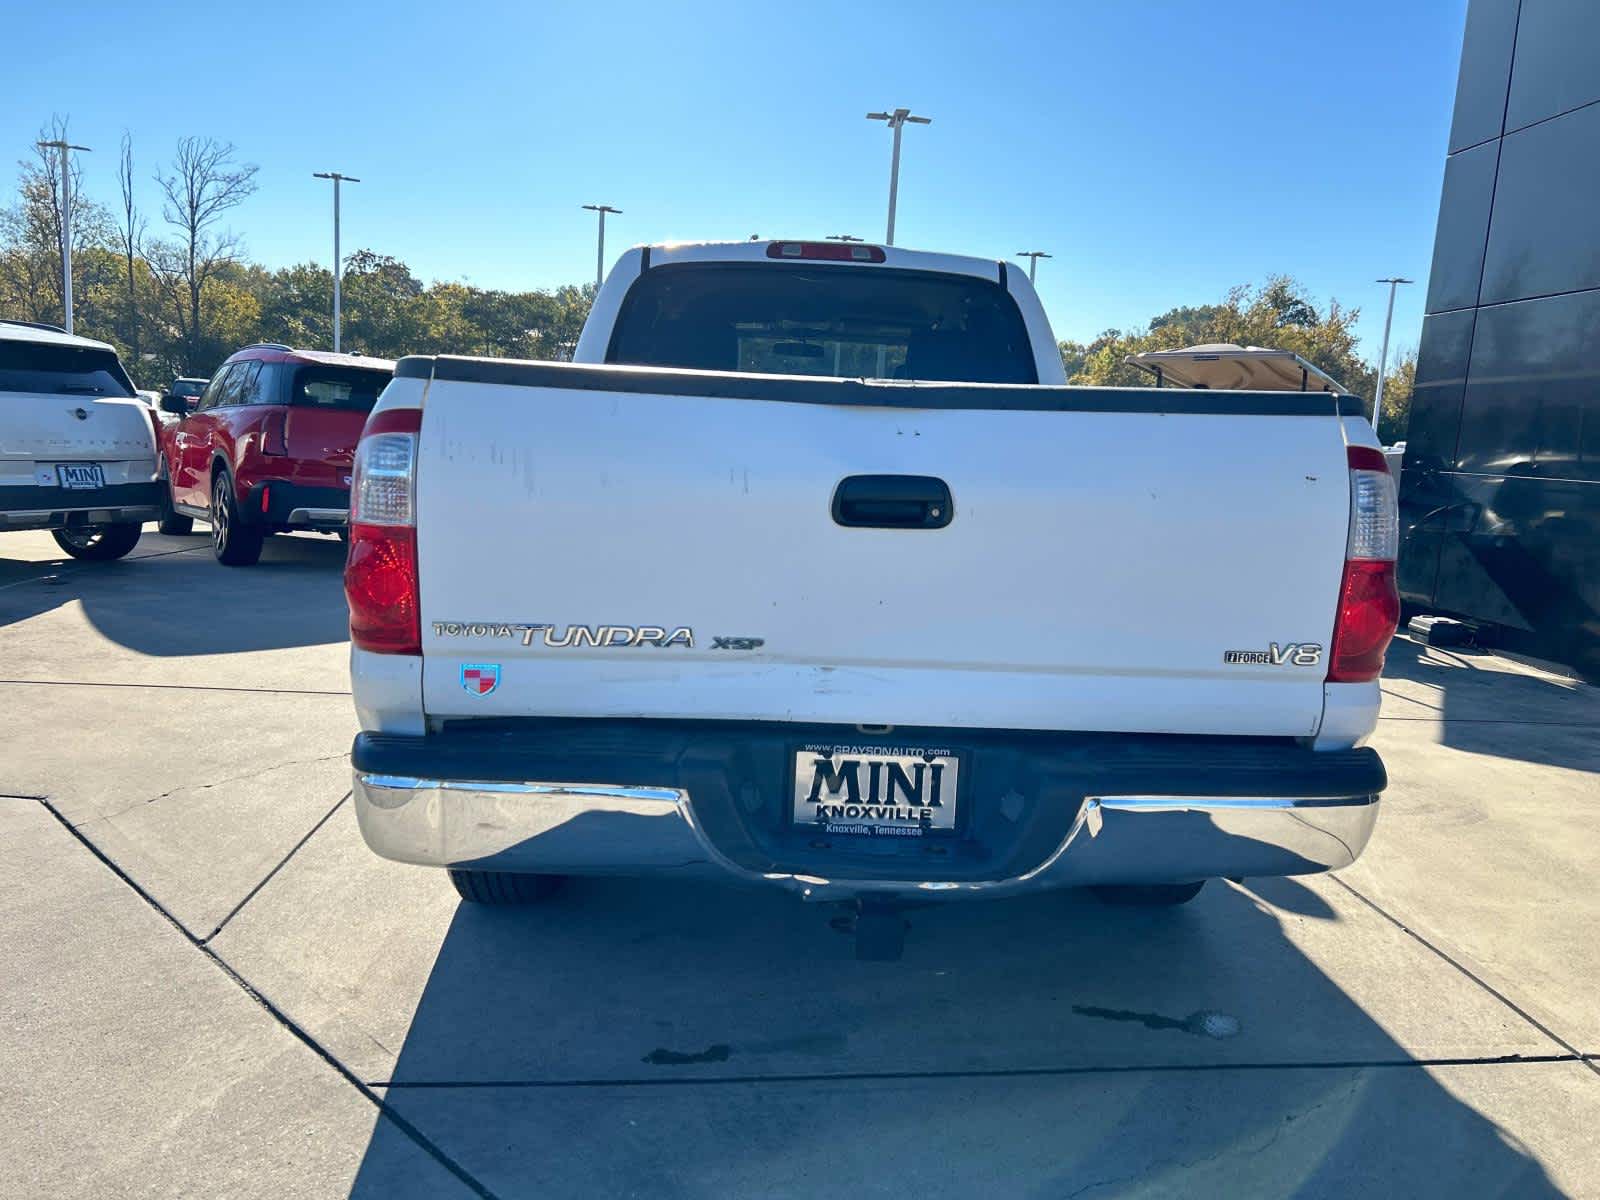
point(825, 252)
point(272, 433)
point(1369, 602)
point(380, 584)
point(380, 574)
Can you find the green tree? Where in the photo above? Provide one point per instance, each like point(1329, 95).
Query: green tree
point(564, 316)
point(296, 304)
point(381, 310)
point(1397, 388)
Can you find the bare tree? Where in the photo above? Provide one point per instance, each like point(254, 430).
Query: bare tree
point(204, 184)
point(131, 235)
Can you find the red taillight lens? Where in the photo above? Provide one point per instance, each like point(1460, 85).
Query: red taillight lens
point(1366, 458)
point(272, 433)
point(380, 584)
point(1369, 611)
point(380, 575)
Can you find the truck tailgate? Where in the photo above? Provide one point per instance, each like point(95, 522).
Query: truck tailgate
point(1105, 551)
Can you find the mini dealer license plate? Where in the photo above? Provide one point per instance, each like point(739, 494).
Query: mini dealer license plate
point(876, 791)
point(81, 475)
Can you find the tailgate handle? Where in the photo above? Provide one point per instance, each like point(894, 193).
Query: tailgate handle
point(892, 502)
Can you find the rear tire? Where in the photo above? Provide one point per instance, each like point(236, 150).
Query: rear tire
point(503, 888)
point(170, 522)
point(97, 543)
point(234, 543)
point(1148, 895)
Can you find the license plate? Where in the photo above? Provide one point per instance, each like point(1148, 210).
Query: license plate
point(875, 791)
point(81, 475)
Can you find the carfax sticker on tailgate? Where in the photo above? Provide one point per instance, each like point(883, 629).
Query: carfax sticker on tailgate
point(877, 791)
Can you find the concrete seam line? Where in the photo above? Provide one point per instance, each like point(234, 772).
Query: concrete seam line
point(267, 878)
point(1508, 1060)
point(72, 570)
point(257, 773)
point(282, 1018)
point(1473, 976)
point(179, 687)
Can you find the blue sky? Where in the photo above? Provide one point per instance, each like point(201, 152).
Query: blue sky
point(1162, 151)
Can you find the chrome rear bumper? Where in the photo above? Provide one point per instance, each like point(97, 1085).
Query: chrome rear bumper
point(591, 829)
point(320, 518)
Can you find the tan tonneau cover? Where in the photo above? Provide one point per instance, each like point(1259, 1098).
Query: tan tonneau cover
point(1227, 366)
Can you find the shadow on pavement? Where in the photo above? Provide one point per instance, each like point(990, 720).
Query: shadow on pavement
point(1293, 896)
point(177, 600)
point(1475, 694)
point(1039, 1046)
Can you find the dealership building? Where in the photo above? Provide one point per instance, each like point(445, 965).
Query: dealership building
point(1500, 494)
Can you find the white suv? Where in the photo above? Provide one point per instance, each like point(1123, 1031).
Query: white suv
point(77, 447)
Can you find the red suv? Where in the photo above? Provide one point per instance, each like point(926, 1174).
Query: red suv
point(268, 447)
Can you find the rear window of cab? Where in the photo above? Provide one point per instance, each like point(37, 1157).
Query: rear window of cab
point(814, 319)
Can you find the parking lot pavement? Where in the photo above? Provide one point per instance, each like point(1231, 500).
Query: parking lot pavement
point(1489, 849)
point(168, 615)
point(312, 1020)
point(134, 1066)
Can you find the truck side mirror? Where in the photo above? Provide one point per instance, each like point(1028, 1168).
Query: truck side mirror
point(173, 403)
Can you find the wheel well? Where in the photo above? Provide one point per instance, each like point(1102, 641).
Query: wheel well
point(242, 509)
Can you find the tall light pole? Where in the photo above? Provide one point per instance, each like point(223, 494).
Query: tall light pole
point(338, 262)
point(1383, 355)
point(897, 120)
point(600, 253)
point(65, 148)
point(1033, 257)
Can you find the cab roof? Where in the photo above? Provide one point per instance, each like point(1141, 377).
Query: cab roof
point(771, 250)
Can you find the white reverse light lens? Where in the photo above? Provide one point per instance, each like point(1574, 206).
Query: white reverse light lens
point(381, 492)
point(1374, 516)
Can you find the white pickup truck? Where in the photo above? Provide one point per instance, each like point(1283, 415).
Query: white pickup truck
point(77, 445)
point(812, 572)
